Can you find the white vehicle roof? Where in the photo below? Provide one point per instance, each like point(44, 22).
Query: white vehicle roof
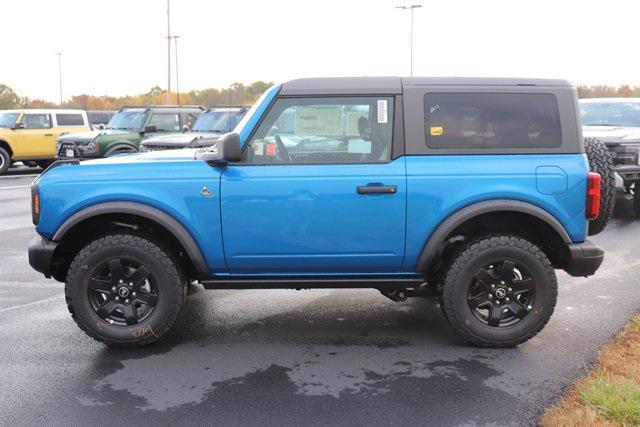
point(608, 100)
point(43, 110)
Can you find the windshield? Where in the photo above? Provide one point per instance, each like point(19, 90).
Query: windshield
point(8, 119)
point(610, 114)
point(217, 121)
point(127, 120)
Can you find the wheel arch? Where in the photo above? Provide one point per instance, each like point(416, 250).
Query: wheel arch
point(115, 146)
point(114, 213)
point(4, 144)
point(472, 214)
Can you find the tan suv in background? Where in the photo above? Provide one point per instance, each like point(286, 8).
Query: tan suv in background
point(30, 135)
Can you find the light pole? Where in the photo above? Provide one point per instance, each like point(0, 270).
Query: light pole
point(168, 54)
point(410, 8)
point(175, 41)
point(60, 74)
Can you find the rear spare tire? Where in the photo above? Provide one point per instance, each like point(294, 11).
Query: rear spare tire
point(601, 161)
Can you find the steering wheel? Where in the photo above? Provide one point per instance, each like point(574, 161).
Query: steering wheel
point(282, 151)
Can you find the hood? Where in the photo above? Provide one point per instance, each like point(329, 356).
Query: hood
point(183, 139)
point(90, 135)
point(167, 156)
point(612, 134)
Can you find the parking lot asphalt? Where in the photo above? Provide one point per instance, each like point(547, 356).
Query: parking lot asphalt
point(341, 357)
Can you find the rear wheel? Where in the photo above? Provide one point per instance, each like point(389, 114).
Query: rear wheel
point(43, 164)
point(5, 161)
point(601, 161)
point(499, 291)
point(124, 290)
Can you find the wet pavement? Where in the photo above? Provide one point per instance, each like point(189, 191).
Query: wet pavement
point(341, 357)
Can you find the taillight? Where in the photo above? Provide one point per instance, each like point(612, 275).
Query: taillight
point(593, 195)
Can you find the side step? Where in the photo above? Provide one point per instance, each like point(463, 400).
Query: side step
point(315, 283)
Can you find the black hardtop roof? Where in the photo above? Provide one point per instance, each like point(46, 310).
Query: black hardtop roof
point(393, 85)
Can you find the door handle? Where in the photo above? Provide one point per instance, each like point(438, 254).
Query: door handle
point(48, 134)
point(377, 189)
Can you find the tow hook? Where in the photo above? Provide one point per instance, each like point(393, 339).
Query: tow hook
point(396, 295)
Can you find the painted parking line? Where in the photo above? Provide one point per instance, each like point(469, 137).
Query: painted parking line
point(19, 176)
point(16, 187)
point(42, 301)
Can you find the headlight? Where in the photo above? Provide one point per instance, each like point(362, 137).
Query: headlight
point(89, 148)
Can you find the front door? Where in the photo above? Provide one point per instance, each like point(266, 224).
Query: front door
point(317, 191)
point(36, 136)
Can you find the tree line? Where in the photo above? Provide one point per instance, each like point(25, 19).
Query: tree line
point(235, 94)
point(603, 91)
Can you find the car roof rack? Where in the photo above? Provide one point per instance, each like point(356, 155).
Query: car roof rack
point(148, 107)
point(241, 107)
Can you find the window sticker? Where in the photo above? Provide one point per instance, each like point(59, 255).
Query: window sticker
point(436, 130)
point(258, 148)
point(382, 111)
point(271, 149)
point(359, 146)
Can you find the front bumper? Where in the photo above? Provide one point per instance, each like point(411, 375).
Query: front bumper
point(584, 259)
point(40, 254)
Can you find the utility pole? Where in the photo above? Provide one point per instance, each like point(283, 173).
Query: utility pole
point(175, 41)
point(410, 8)
point(60, 73)
point(168, 53)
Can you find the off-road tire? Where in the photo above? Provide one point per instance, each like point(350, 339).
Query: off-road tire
point(5, 161)
point(601, 161)
point(43, 164)
point(461, 272)
point(636, 200)
point(171, 290)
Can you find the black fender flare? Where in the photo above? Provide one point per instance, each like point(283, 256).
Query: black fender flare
point(434, 245)
point(153, 214)
point(119, 146)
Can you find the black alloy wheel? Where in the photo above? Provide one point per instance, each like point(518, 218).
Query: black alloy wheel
point(122, 292)
point(501, 294)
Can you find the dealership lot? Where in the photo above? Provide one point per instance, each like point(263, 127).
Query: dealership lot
point(284, 357)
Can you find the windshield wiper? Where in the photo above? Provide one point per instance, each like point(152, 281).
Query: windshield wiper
point(599, 124)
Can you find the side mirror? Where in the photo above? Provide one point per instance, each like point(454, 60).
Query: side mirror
point(185, 128)
point(17, 126)
point(150, 128)
point(226, 149)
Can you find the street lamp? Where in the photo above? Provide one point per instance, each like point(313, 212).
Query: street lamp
point(60, 73)
point(175, 41)
point(168, 54)
point(410, 8)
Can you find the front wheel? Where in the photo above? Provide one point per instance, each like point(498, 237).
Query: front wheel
point(5, 160)
point(124, 290)
point(500, 291)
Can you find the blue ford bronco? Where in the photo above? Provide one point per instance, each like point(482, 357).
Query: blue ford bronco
point(469, 190)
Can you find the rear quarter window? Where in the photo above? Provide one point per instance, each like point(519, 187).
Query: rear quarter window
point(69, 119)
point(491, 121)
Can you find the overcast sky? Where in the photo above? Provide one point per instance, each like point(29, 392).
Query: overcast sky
point(117, 47)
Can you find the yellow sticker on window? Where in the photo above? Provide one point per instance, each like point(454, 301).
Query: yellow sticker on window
point(436, 130)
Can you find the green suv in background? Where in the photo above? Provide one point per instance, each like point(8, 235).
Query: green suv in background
point(126, 129)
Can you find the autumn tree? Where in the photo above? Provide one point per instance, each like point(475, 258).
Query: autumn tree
point(8, 98)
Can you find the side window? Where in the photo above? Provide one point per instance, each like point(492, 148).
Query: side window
point(69, 120)
point(324, 130)
point(36, 121)
point(491, 120)
point(165, 122)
